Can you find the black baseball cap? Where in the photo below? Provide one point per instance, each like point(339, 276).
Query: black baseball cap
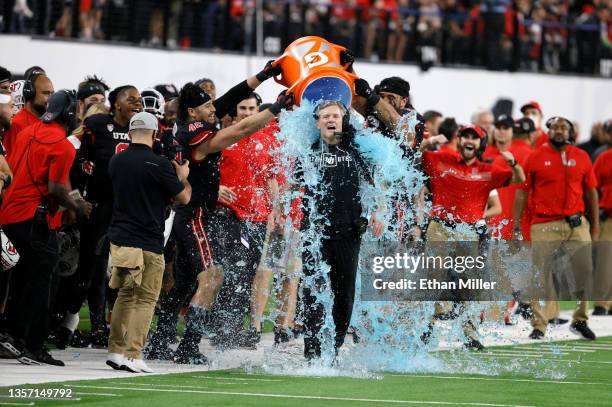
point(62, 102)
point(504, 120)
point(524, 125)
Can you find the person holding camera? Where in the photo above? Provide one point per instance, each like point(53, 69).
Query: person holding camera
point(559, 180)
point(31, 213)
point(334, 207)
point(136, 233)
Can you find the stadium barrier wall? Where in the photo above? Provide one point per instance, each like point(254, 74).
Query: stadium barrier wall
point(454, 92)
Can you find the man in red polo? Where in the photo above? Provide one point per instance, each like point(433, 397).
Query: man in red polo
point(516, 143)
point(36, 96)
point(603, 264)
point(248, 185)
point(533, 111)
point(560, 178)
point(460, 186)
point(30, 215)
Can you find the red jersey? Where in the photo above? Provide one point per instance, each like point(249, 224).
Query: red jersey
point(247, 167)
point(541, 139)
point(558, 181)
point(42, 154)
point(20, 121)
point(460, 191)
point(603, 173)
point(503, 224)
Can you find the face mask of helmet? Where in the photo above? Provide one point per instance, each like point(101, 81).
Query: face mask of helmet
point(153, 102)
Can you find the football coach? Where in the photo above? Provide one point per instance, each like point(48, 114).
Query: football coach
point(144, 184)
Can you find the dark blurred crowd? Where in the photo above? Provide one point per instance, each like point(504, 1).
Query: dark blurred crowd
point(546, 36)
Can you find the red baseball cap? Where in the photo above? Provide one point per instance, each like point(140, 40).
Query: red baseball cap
point(533, 105)
point(476, 129)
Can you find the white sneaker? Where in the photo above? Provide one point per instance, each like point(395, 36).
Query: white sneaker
point(115, 360)
point(136, 366)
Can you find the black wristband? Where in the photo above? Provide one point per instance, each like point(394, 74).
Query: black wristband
point(7, 180)
point(275, 108)
point(513, 164)
point(262, 76)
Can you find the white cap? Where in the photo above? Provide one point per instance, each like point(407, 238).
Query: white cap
point(143, 120)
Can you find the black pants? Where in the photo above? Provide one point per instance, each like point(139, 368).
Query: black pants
point(31, 288)
point(196, 240)
point(89, 281)
point(342, 256)
point(239, 266)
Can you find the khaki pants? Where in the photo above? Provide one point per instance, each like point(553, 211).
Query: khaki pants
point(138, 276)
point(602, 291)
point(437, 232)
point(547, 238)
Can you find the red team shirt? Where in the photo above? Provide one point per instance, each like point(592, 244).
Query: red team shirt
point(558, 182)
point(247, 167)
point(49, 159)
point(460, 191)
point(521, 150)
point(20, 121)
point(603, 173)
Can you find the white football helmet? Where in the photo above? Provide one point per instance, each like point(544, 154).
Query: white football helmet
point(16, 89)
point(153, 102)
point(9, 256)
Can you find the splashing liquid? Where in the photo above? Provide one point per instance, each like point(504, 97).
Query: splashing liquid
point(390, 332)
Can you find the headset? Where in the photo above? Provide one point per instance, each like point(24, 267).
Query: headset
point(346, 117)
point(572, 131)
point(484, 140)
point(29, 90)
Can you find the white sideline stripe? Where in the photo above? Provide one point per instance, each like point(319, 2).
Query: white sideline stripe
point(97, 394)
point(593, 347)
point(584, 348)
point(236, 378)
point(155, 385)
point(15, 404)
point(289, 396)
point(549, 349)
point(544, 352)
point(548, 359)
point(501, 379)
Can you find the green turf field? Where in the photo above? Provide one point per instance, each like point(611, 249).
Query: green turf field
point(576, 373)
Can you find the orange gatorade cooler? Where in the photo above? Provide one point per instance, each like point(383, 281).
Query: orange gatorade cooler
point(312, 71)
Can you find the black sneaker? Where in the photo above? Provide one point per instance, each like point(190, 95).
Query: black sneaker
point(99, 339)
point(558, 321)
point(581, 328)
point(536, 334)
point(38, 357)
point(63, 337)
point(10, 346)
point(185, 357)
point(598, 311)
point(426, 336)
point(473, 344)
point(158, 353)
point(79, 340)
point(524, 310)
point(249, 338)
point(281, 335)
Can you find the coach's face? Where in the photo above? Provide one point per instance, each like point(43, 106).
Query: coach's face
point(329, 123)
